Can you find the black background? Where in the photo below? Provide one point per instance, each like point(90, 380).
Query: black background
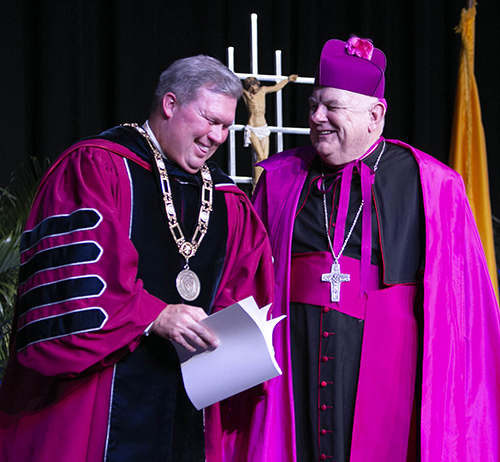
point(71, 69)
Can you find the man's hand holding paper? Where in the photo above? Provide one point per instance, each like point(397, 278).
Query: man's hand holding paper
point(181, 323)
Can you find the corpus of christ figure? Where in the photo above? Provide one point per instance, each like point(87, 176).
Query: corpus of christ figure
point(256, 131)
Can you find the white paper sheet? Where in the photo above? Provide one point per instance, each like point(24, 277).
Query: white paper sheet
point(244, 358)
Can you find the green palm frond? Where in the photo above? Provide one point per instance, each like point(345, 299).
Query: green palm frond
point(9, 255)
point(15, 204)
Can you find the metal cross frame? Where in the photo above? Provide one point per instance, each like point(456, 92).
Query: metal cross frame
point(277, 77)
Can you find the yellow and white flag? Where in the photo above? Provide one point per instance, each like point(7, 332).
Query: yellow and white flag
point(468, 146)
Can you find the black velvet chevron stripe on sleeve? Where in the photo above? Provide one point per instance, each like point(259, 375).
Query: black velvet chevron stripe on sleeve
point(86, 320)
point(58, 225)
point(56, 257)
point(61, 291)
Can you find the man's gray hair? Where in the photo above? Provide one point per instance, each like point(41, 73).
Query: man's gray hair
point(185, 76)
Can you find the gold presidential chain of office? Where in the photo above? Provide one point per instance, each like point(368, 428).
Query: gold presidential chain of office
point(187, 282)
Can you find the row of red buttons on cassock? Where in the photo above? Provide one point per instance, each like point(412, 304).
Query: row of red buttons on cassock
point(323, 384)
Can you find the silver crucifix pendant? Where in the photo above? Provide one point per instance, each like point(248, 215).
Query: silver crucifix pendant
point(335, 277)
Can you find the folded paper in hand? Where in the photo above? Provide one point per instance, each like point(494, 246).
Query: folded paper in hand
point(244, 358)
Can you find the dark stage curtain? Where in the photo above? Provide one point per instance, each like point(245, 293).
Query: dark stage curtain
point(73, 68)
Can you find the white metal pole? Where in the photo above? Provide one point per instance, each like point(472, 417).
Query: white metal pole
point(254, 66)
point(279, 104)
point(232, 133)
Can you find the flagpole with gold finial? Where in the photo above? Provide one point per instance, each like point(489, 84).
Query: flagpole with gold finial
point(468, 143)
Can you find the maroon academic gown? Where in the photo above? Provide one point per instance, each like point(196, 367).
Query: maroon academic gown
point(59, 385)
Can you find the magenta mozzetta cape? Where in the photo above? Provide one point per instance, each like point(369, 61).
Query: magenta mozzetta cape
point(55, 398)
point(460, 413)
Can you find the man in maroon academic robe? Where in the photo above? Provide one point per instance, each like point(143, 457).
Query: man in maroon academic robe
point(93, 373)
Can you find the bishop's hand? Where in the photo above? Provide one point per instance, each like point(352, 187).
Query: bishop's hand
point(180, 323)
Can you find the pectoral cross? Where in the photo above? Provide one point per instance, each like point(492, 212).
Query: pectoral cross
point(335, 277)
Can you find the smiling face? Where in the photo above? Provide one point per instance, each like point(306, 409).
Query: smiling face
point(192, 132)
point(341, 124)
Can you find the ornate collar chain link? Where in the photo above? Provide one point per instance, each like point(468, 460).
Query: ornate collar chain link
point(188, 283)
